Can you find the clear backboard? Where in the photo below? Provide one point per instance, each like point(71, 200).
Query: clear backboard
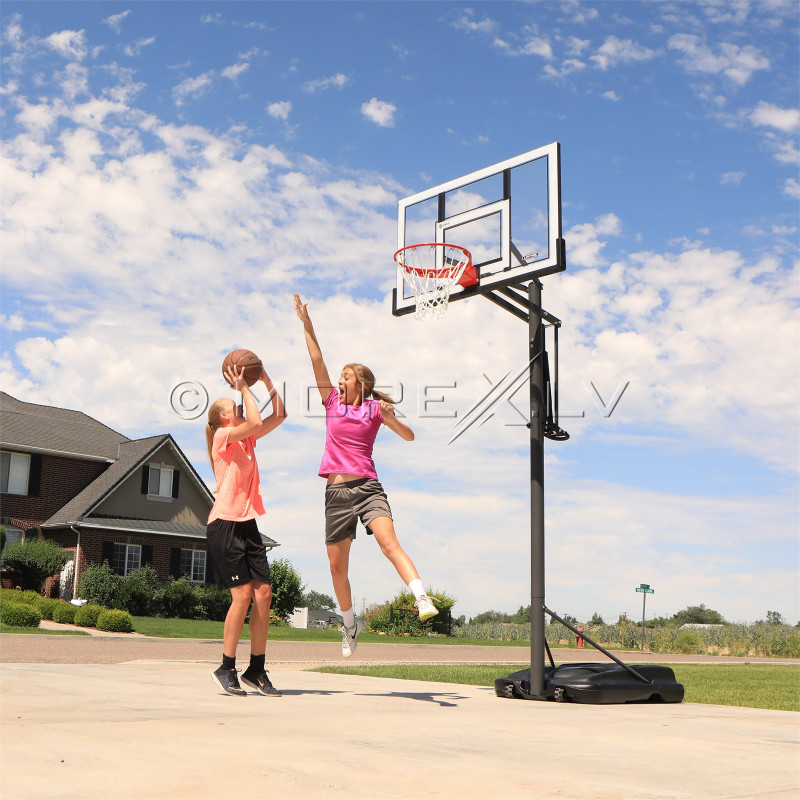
point(507, 215)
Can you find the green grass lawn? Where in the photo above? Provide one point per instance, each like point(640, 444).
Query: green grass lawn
point(204, 629)
point(772, 686)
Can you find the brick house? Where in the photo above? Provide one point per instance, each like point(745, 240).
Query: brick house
point(100, 495)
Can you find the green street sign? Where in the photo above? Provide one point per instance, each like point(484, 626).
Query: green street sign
point(646, 590)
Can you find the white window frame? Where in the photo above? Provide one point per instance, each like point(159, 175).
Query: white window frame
point(198, 565)
point(163, 493)
point(130, 553)
point(15, 476)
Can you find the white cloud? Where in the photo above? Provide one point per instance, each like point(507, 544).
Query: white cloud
point(280, 109)
point(569, 66)
point(768, 114)
point(732, 177)
point(235, 70)
point(616, 51)
point(611, 95)
point(192, 87)
point(69, 44)
point(738, 63)
point(379, 112)
point(115, 20)
point(792, 188)
point(336, 81)
point(136, 48)
point(584, 240)
point(533, 46)
point(466, 23)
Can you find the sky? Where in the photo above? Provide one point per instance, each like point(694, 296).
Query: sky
point(173, 171)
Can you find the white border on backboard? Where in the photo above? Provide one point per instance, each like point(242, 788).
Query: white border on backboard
point(553, 261)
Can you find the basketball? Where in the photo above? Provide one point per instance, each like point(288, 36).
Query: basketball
point(243, 358)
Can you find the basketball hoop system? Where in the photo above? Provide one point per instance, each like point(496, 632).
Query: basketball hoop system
point(431, 270)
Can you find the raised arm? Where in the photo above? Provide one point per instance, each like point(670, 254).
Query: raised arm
point(318, 365)
point(278, 414)
point(395, 424)
point(252, 425)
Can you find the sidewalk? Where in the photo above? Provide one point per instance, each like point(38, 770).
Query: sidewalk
point(160, 728)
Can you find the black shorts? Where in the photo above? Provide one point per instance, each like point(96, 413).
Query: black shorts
point(346, 503)
point(236, 555)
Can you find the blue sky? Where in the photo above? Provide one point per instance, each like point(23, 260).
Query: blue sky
point(172, 172)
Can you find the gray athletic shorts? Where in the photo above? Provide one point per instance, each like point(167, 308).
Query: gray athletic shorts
point(346, 503)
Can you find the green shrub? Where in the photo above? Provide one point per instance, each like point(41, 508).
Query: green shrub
point(139, 593)
point(45, 606)
point(97, 585)
point(287, 587)
point(64, 613)
point(213, 601)
point(20, 615)
point(18, 596)
point(34, 560)
point(179, 599)
point(688, 642)
point(86, 616)
point(115, 620)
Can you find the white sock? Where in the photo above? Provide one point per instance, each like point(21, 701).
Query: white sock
point(349, 618)
point(416, 588)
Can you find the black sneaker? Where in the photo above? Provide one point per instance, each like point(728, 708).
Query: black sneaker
point(228, 681)
point(261, 682)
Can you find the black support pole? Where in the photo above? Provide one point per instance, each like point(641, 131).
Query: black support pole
point(537, 388)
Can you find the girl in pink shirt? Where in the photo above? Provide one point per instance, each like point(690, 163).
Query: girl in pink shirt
point(236, 554)
point(354, 413)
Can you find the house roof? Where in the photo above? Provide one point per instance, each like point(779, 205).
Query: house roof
point(36, 428)
point(131, 454)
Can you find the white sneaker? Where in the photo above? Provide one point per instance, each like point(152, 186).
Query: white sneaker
point(350, 637)
point(426, 608)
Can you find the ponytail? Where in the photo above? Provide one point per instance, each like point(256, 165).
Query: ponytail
point(213, 423)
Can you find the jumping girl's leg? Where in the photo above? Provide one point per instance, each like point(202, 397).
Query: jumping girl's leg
point(234, 619)
point(339, 558)
point(383, 529)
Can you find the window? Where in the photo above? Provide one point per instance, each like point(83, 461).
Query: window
point(125, 558)
point(193, 565)
point(160, 481)
point(15, 469)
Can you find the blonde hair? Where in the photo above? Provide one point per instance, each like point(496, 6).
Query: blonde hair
point(366, 379)
point(214, 411)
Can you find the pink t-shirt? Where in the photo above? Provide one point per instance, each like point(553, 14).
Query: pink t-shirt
point(351, 432)
point(238, 484)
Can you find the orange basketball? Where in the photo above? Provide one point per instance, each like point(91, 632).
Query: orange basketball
point(243, 358)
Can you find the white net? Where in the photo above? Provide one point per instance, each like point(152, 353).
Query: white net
point(431, 270)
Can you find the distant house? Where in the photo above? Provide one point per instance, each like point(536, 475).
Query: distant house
point(100, 495)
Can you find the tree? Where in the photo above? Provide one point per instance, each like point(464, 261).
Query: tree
point(522, 616)
point(34, 560)
point(287, 587)
point(596, 619)
point(698, 615)
point(490, 616)
point(316, 601)
point(775, 618)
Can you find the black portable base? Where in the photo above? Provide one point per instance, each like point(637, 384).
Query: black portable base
point(596, 684)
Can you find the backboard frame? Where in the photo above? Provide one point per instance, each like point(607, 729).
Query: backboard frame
point(508, 266)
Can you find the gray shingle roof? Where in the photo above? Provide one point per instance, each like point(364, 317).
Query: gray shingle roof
point(56, 430)
point(131, 454)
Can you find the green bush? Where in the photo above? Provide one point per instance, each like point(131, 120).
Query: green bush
point(139, 593)
point(179, 599)
point(86, 616)
point(213, 601)
point(20, 615)
point(287, 587)
point(115, 620)
point(34, 560)
point(18, 596)
point(64, 613)
point(45, 606)
point(97, 585)
point(688, 642)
